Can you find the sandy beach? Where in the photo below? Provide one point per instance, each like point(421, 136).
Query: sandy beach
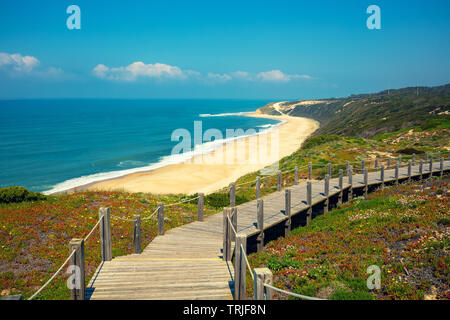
point(208, 173)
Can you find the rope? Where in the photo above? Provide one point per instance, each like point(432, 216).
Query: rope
point(248, 264)
point(183, 201)
point(150, 216)
point(92, 230)
point(291, 293)
point(54, 275)
point(231, 224)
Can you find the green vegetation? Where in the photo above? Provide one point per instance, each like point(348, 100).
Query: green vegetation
point(19, 194)
point(318, 140)
point(371, 115)
point(402, 229)
point(34, 236)
point(327, 259)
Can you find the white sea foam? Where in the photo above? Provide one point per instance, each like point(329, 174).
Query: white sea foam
point(204, 115)
point(203, 148)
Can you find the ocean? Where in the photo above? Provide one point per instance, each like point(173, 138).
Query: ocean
point(54, 145)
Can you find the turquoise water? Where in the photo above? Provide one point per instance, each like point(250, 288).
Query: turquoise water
point(53, 145)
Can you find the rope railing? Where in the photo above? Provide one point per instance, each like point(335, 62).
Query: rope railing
point(181, 202)
point(372, 164)
point(93, 228)
point(231, 225)
point(248, 264)
point(105, 230)
point(53, 276)
point(67, 260)
point(291, 293)
point(156, 210)
point(349, 169)
point(101, 220)
point(150, 216)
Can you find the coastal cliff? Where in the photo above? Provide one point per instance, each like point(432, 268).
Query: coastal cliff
point(368, 115)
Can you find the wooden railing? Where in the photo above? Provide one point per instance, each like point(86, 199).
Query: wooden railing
point(262, 277)
point(230, 234)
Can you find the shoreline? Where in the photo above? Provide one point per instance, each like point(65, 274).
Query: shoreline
point(198, 174)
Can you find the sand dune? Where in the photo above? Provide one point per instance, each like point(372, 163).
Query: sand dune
point(208, 173)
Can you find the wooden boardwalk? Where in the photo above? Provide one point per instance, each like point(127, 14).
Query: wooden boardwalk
point(186, 262)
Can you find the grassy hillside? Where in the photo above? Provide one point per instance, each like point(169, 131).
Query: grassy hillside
point(34, 234)
point(404, 230)
point(370, 115)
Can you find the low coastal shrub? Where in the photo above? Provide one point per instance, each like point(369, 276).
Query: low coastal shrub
point(19, 194)
point(318, 140)
point(221, 200)
point(435, 124)
point(410, 151)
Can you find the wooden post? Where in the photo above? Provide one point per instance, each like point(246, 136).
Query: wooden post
point(388, 163)
point(400, 160)
point(341, 186)
point(350, 182)
point(347, 166)
point(137, 234)
point(366, 183)
point(329, 169)
point(310, 171)
point(260, 224)
point(396, 173)
point(160, 218)
point(226, 251)
point(431, 167)
point(258, 187)
point(279, 180)
point(262, 276)
point(296, 176)
point(376, 163)
point(413, 159)
point(105, 234)
point(233, 222)
point(441, 166)
point(326, 193)
point(201, 203)
point(409, 170)
point(420, 170)
point(308, 202)
point(240, 267)
point(78, 273)
point(232, 195)
point(287, 210)
point(363, 165)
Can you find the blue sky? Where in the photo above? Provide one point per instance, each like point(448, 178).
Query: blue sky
point(220, 49)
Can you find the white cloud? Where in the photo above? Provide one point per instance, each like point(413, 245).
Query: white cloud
point(278, 76)
point(219, 77)
point(18, 62)
point(139, 69)
point(242, 75)
point(16, 65)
